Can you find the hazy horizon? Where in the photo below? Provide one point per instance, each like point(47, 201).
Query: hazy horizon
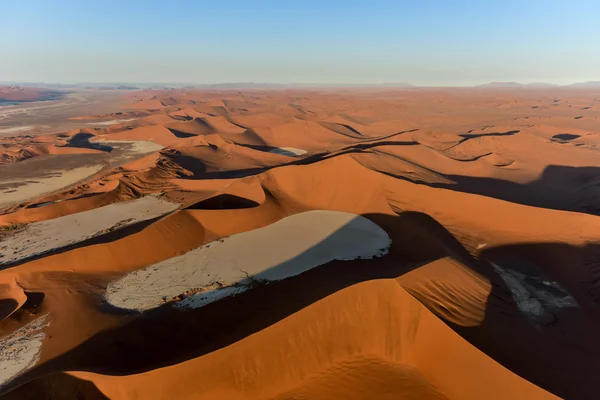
point(431, 43)
point(235, 85)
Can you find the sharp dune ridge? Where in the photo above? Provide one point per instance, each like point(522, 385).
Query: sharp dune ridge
point(304, 244)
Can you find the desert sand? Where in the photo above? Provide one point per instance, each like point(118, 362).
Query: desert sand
point(418, 243)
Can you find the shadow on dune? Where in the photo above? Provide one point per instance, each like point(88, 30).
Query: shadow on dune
point(565, 137)
point(468, 136)
point(342, 129)
point(258, 147)
point(82, 141)
point(180, 134)
point(478, 135)
point(34, 299)
point(57, 386)
point(559, 187)
point(7, 307)
point(561, 357)
point(191, 163)
point(224, 202)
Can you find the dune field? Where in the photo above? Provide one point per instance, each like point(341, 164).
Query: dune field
point(401, 243)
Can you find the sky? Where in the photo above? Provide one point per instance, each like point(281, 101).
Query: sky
point(424, 42)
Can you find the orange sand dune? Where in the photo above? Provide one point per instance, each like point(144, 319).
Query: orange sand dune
point(227, 157)
point(260, 120)
point(306, 135)
point(23, 151)
point(212, 109)
point(155, 133)
point(186, 114)
point(373, 339)
point(204, 126)
point(146, 105)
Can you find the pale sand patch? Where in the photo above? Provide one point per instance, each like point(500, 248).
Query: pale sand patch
point(111, 122)
point(137, 146)
point(20, 350)
point(16, 129)
point(44, 236)
point(229, 266)
point(288, 151)
point(34, 188)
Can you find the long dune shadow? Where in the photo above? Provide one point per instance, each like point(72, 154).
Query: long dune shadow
point(82, 140)
point(258, 147)
point(366, 139)
point(342, 129)
point(365, 146)
point(559, 187)
point(492, 134)
point(540, 354)
point(302, 160)
point(181, 134)
point(468, 136)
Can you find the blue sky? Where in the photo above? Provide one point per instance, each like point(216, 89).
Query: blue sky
point(427, 42)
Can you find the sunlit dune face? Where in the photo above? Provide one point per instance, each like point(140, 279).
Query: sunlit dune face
point(451, 290)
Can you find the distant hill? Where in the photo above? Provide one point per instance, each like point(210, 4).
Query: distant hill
point(108, 87)
point(591, 84)
point(501, 85)
point(517, 85)
point(498, 85)
point(541, 84)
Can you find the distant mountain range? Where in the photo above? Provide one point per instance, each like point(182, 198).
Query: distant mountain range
point(593, 84)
